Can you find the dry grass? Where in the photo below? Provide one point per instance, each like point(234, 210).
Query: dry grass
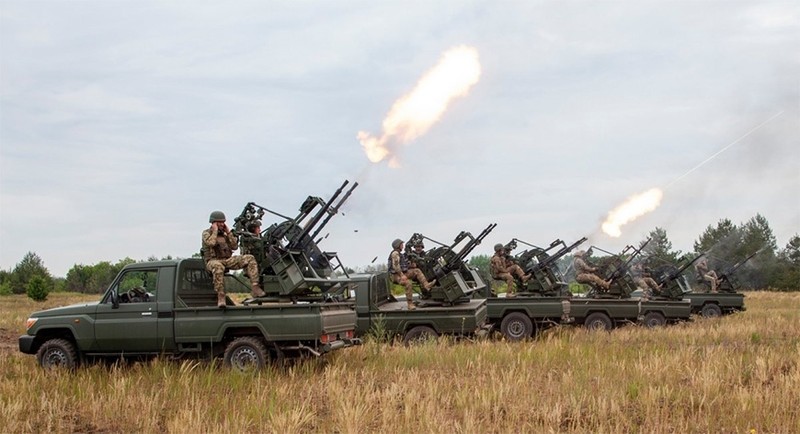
point(734, 374)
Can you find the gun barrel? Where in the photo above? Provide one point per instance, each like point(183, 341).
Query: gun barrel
point(335, 210)
point(557, 255)
point(304, 235)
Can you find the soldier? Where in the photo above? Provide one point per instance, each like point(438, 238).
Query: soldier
point(503, 269)
point(218, 246)
point(402, 275)
point(586, 273)
point(251, 240)
point(643, 280)
point(701, 267)
point(414, 272)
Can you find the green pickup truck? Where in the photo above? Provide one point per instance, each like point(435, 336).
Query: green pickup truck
point(168, 308)
point(376, 308)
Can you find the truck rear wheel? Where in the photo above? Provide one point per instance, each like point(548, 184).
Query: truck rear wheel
point(516, 326)
point(57, 353)
point(711, 311)
point(246, 353)
point(654, 319)
point(419, 334)
point(598, 321)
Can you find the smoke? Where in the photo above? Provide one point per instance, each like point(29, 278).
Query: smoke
point(415, 113)
point(633, 208)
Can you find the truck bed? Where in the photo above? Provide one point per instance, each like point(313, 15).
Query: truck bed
point(278, 321)
point(629, 309)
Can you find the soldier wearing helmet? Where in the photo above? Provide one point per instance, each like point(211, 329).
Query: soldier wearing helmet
point(502, 269)
point(401, 274)
point(585, 273)
point(218, 246)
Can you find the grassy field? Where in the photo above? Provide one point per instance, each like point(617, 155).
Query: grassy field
point(734, 374)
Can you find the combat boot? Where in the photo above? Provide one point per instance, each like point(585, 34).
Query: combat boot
point(526, 278)
point(258, 292)
point(221, 302)
point(411, 305)
point(430, 284)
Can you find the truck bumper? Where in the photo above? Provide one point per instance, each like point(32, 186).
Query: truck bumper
point(483, 330)
point(26, 344)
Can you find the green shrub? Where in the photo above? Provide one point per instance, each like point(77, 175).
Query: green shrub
point(5, 289)
point(38, 288)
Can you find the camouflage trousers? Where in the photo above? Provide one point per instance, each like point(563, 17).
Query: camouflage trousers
point(591, 279)
point(401, 279)
point(514, 270)
point(712, 278)
point(648, 286)
point(510, 287)
point(217, 268)
point(417, 275)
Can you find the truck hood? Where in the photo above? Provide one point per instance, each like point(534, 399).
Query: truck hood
point(66, 310)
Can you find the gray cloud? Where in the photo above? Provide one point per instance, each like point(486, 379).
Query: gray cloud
point(119, 135)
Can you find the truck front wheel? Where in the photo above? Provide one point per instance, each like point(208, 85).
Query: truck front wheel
point(246, 353)
point(711, 311)
point(57, 353)
point(516, 326)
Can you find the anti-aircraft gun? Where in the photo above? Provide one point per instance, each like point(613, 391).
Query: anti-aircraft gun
point(455, 280)
point(289, 258)
point(672, 280)
point(616, 270)
point(727, 282)
point(541, 263)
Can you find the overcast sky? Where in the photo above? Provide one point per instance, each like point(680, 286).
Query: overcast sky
point(124, 123)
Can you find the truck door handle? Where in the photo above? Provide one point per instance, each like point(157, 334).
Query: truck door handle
point(147, 313)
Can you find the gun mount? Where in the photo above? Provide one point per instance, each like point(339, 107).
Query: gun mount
point(289, 259)
point(541, 263)
point(615, 269)
point(671, 278)
point(455, 280)
point(727, 281)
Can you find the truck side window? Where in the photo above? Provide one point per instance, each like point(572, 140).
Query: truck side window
point(137, 286)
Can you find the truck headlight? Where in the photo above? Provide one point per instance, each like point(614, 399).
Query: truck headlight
point(30, 322)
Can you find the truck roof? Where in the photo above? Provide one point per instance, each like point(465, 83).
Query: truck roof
point(162, 263)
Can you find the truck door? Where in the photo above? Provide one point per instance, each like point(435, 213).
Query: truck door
point(132, 327)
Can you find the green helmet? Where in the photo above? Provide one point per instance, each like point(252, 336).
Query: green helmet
point(498, 247)
point(396, 243)
point(216, 216)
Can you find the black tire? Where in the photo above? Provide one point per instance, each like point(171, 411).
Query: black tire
point(654, 319)
point(710, 311)
point(419, 334)
point(598, 321)
point(516, 326)
point(57, 354)
point(246, 353)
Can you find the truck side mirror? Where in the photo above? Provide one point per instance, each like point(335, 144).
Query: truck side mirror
point(114, 299)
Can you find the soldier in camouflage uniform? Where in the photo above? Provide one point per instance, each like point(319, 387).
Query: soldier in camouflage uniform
point(218, 246)
point(402, 275)
point(502, 268)
point(251, 240)
point(643, 280)
point(414, 272)
point(701, 267)
point(584, 273)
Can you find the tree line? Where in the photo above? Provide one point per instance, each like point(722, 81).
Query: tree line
point(89, 279)
point(725, 244)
